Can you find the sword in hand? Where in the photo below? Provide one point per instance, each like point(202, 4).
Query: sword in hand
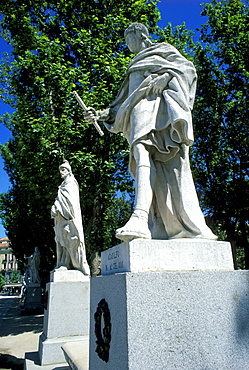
point(84, 107)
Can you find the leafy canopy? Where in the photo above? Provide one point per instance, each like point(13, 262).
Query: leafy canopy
point(221, 117)
point(58, 47)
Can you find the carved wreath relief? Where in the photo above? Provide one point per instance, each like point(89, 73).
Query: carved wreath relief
point(103, 337)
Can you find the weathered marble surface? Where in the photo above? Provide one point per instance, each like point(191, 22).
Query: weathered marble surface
point(141, 255)
point(69, 236)
point(77, 355)
point(174, 320)
point(59, 275)
point(66, 318)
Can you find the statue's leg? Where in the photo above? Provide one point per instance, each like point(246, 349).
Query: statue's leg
point(177, 199)
point(137, 226)
point(61, 257)
point(67, 259)
point(59, 254)
point(78, 259)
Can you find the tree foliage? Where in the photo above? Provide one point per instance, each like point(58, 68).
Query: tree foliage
point(220, 155)
point(58, 47)
point(15, 277)
point(61, 46)
point(2, 280)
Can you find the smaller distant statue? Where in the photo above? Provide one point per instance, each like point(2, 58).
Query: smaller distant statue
point(31, 287)
point(32, 273)
point(66, 212)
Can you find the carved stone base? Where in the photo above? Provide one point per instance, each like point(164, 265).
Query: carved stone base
point(170, 320)
point(66, 318)
point(58, 276)
point(32, 302)
point(141, 255)
point(77, 355)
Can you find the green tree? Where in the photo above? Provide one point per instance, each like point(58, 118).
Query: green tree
point(15, 276)
point(2, 280)
point(220, 155)
point(58, 47)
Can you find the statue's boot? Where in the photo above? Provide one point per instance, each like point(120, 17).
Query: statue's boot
point(136, 227)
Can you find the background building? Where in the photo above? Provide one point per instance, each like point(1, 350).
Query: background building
point(7, 260)
point(9, 269)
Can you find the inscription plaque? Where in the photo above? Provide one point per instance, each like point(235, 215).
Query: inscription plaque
point(114, 260)
point(141, 255)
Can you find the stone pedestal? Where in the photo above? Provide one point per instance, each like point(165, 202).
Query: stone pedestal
point(32, 299)
point(171, 319)
point(66, 319)
point(142, 255)
point(76, 355)
point(66, 316)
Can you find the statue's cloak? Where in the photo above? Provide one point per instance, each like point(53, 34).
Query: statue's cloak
point(68, 221)
point(162, 120)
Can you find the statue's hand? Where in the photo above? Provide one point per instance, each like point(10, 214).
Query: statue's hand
point(90, 115)
point(53, 212)
point(159, 83)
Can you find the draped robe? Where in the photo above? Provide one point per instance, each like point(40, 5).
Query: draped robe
point(163, 123)
point(68, 227)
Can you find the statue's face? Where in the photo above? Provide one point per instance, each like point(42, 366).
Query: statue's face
point(64, 172)
point(134, 42)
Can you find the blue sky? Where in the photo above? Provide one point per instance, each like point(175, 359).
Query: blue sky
point(174, 11)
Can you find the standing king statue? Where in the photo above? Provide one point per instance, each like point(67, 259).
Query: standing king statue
point(69, 236)
point(153, 111)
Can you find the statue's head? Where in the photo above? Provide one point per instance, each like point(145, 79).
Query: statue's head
point(137, 28)
point(65, 169)
point(136, 37)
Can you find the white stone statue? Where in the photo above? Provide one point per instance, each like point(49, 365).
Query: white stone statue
point(153, 111)
point(69, 236)
point(32, 273)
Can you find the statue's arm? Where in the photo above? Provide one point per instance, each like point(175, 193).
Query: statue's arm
point(107, 116)
point(99, 115)
point(54, 211)
point(103, 115)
